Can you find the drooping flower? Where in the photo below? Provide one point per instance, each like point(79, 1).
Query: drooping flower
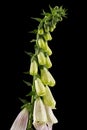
point(47, 78)
point(33, 68)
point(21, 121)
point(41, 58)
point(40, 88)
point(43, 116)
point(50, 116)
point(49, 99)
point(39, 113)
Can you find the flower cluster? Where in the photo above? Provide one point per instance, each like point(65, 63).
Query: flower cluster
point(41, 116)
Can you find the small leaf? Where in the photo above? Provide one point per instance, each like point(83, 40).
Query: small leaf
point(27, 105)
point(37, 19)
point(50, 8)
point(33, 40)
point(29, 53)
point(30, 94)
point(23, 100)
point(34, 31)
point(26, 72)
point(27, 83)
point(43, 12)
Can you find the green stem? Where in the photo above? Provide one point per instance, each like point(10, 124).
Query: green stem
point(29, 127)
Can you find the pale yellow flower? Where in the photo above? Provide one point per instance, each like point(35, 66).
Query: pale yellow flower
point(48, 50)
point(49, 99)
point(47, 78)
point(50, 115)
point(48, 62)
point(39, 113)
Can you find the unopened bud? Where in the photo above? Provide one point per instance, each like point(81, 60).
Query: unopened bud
point(42, 43)
point(41, 58)
point(40, 88)
point(49, 99)
point(48, 62)
point(47, 78)
point(47, 36)
point(33, 68)
point(40, 31)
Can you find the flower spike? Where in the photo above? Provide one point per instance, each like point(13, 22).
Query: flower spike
point(38, 113)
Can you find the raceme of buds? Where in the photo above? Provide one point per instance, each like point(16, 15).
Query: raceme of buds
point(41, 58)
point(40, 88)
point(48, 62)
point(39, 113)
point(49, 99)
point(33, 68)
point(47, 78)
point(21, 121)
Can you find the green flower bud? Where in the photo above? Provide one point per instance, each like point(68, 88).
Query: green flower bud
point(46, 28)
point(40, 88)
point(52, 28)
point(40, 31)
point(47, 36)
point(42, 43)
point(48, 62)
point(41, 58)
point(47, 78)
point(48, 50)
point(52, 80)
point(49, 99)
point(33, 68)
point(39, 113)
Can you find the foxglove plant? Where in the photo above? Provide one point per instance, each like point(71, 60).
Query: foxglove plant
point(38, 113)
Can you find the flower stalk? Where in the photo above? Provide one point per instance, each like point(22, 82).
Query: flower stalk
point(42, 101)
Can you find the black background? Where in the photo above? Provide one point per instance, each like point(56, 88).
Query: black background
point(65, 46)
